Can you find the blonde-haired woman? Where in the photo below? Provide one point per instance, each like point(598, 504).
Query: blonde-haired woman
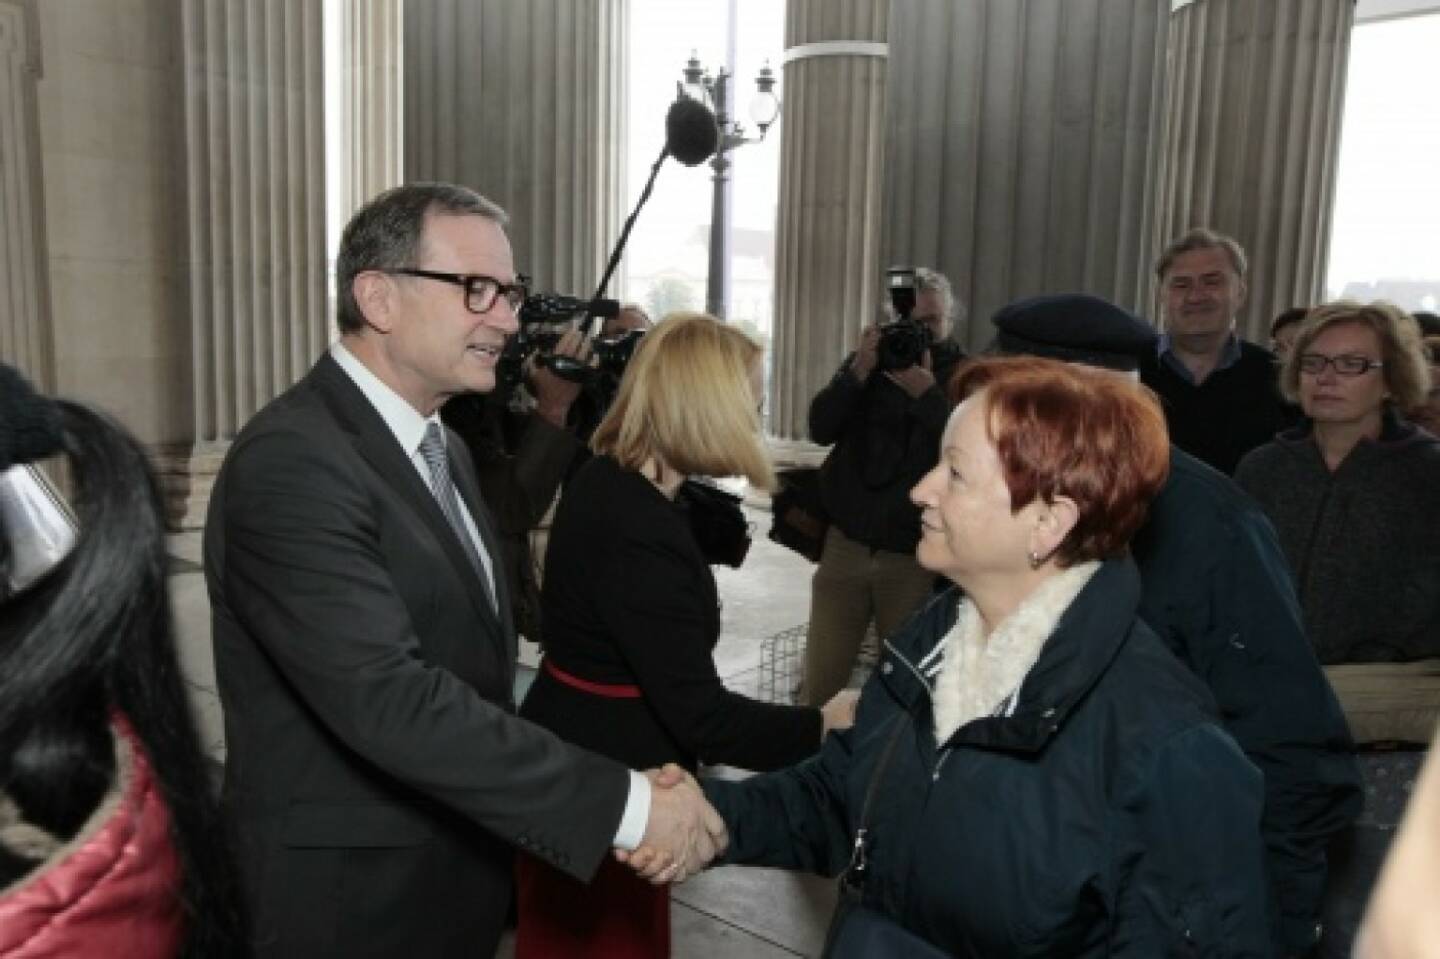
point(631, 619)
point(1354, 490)
point(1354, 493)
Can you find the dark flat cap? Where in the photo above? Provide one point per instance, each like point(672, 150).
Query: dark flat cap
point(1074, 327)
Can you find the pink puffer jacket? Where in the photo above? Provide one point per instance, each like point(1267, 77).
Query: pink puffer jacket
point(109, 891)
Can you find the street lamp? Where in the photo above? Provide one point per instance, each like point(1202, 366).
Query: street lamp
point(764, 110)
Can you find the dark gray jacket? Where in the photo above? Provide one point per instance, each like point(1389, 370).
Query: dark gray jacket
point(1363, 541)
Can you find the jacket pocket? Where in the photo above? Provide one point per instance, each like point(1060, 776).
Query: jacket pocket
point(353, 825)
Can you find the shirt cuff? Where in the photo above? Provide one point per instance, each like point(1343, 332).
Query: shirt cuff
point(637, 814)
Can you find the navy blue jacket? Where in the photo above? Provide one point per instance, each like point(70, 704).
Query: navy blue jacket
point(1218, 592)
point(1107, 816)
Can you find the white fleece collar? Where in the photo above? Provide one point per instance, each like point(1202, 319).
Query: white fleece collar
point(979, 675)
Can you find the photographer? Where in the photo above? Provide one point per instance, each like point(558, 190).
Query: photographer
point(885, 421)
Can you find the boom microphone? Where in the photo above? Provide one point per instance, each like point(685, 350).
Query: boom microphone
point(691, 137)
point(690, 132)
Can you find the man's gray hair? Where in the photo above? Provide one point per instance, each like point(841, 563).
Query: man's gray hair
point(933, 281)
point(385, 234)
point(1202, 239)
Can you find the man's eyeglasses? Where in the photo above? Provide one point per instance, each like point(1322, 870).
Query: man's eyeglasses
point(1351, 364)
point(481, 291)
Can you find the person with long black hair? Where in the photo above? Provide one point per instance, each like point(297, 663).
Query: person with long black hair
point(109, 832)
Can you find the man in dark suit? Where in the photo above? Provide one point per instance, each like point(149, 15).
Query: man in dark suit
point(377, 778)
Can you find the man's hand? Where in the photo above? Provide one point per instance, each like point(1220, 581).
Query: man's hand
point(554, 394)
point(839, 712)
point(683, 833)
point(914, 380)
point(867, 353)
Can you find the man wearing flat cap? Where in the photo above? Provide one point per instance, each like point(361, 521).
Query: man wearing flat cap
point(1216, 588)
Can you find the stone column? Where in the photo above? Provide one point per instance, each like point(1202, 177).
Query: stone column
point(1251, 139)
point(372, 90)
point(25, 332)
point(255, 217)
point(525, 102)
point(1020, 139)
point(827, 238)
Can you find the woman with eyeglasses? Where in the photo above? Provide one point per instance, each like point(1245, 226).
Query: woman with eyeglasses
point(1354, 493)
point(1354, 490)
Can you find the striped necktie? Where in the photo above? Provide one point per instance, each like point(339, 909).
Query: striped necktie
point(432, 448)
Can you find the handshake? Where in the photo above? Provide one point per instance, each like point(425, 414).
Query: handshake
point(683, 834)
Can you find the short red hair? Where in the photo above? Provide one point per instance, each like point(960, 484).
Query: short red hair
point(1065, 430)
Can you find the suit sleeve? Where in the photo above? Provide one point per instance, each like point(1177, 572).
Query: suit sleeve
point(1192, 867)
point(306, 577)
point(652, 603)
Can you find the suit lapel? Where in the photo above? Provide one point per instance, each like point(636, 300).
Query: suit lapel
point(377, 445)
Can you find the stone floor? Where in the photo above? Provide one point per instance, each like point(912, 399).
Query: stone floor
point(725, 913)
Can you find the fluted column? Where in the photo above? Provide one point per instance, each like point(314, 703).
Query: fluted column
point(255, 182)
point(372, 91)
point(525, 102)
point(26, 339)
point(1251, 138)
point(1020, 138)
point(827, 236)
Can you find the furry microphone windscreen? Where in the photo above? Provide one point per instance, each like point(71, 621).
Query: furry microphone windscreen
point(29, 423)
point(690, 132)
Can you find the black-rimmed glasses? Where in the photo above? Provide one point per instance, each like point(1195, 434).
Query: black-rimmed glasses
point(481, 291)
point(1350, 364)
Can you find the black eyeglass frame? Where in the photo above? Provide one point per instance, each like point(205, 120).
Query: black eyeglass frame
point(476, 285)
point(1319, 361)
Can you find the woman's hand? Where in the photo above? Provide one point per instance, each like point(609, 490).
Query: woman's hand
point(839, 712)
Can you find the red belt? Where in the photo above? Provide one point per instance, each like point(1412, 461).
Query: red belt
point(609, 690)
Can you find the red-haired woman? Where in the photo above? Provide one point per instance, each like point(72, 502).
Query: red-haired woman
point(1031, 771)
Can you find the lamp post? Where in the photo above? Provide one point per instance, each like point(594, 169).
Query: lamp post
point(764, 110)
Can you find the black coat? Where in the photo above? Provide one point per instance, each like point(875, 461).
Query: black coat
point(884, 442)
point(1217, 590)
point(377, 782)
point(1235, 410)
point(1107, 816)
point(628, 599)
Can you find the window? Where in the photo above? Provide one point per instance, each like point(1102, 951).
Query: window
point(666, 263)
point(1385, 242)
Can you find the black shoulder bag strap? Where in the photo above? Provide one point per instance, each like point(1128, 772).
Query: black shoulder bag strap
point(857, 929)
point(852, 880)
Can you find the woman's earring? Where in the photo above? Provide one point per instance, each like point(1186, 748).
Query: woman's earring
point(1034, 560)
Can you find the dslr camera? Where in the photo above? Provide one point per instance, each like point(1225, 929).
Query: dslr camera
point(903, 341)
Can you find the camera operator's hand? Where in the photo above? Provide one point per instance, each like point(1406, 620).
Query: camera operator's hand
point(554, 394)
point(867, 353)
point(914, 380)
